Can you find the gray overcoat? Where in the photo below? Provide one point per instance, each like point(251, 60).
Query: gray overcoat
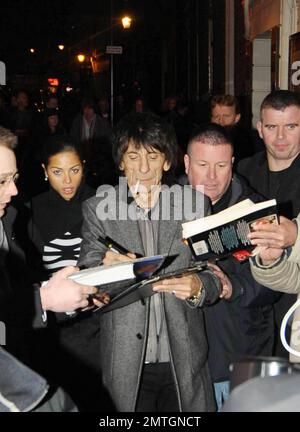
point(123, 331)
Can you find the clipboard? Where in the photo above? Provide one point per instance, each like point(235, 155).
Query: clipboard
point(143, 289)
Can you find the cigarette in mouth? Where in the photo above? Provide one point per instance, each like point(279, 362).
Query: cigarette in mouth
point(136, 188)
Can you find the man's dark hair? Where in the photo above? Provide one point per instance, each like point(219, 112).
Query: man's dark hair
point(212, 134)
point(145, 130)
point(88, 102)
point(225, 100)
point(58, 144)
point(280, 99)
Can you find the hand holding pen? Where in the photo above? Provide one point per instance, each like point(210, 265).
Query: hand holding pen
point(116, 253)
point(112, 245)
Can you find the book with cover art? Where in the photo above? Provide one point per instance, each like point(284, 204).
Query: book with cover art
point(225, 233)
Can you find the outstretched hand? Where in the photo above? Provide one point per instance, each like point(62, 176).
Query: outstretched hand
point(182, 287)
point(272, 239)
point(61, 294)
point(273, 235)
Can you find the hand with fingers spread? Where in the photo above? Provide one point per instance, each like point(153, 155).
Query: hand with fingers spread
point(273, 235)
point(271, 239)
point(116, 258)
point(61, 294)
point(182, 287)
point(226, 292)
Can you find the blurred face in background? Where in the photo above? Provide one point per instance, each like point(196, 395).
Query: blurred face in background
point(88, 112)
point(139, 106)
point(65, 172)
point(52, 121)
point(103, 105)
point(171, 104)
point(22, 100)
point(8, 176)
point(13, 101)
point(52, 103)
point(224, 115)
point(209, 166)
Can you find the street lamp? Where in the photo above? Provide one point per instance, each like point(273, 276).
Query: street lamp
point(81, 58)
point(32, 50)
point(126, 21)
point(61, 47)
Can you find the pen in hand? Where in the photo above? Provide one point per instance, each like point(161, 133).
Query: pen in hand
point(112, 245)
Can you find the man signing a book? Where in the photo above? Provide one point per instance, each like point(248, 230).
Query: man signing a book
point(153, 352)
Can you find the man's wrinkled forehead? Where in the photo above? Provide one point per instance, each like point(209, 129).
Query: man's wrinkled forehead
point(199, 145)
point(269, 110)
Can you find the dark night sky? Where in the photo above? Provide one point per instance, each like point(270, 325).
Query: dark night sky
point(43, 24)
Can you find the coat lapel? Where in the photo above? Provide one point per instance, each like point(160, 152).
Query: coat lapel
point(166, 235)
point(167, 229)
point(131, 236)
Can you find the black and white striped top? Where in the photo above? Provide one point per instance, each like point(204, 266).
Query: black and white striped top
point(61, 252)
point(56, 227)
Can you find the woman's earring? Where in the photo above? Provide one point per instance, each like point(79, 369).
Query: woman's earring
point(46, 178)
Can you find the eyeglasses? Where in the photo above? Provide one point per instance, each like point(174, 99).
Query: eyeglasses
point(7, 180)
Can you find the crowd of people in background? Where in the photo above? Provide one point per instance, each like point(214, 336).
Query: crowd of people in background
point(88, 122)
point(63, 155)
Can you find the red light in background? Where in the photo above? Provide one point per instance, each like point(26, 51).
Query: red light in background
point(53, 82)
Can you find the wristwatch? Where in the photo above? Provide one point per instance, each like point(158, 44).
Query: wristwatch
point(197, 300)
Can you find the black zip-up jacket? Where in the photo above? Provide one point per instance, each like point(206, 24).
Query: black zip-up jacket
point(285, 187)
point(242, 326)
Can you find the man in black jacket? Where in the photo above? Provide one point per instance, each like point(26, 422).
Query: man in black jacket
point(225, 111)
point(93, 133)
point(241, 322)
point(275, 172)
